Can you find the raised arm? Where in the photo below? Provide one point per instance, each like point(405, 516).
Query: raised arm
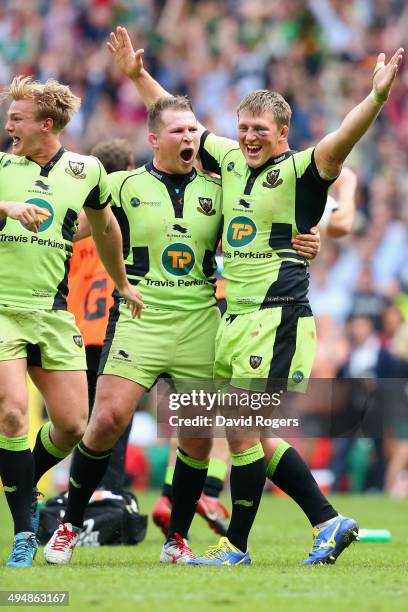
point(130, 63)
point(333, 149)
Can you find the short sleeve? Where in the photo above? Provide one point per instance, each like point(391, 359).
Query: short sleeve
point(213, 151)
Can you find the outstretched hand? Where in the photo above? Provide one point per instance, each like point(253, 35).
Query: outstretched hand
point(129, 61)
point(384, 74)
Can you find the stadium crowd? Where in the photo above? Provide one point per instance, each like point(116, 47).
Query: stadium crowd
point(216, 52)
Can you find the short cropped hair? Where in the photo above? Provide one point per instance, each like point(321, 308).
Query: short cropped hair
point(181, 103)
point(52, 99)
point(115, 154)
point(264, 100)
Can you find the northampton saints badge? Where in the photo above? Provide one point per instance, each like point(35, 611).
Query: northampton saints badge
point(255, 361)
point(75, 169)
point(272, 180)
point(206, 206)
point(78, 341)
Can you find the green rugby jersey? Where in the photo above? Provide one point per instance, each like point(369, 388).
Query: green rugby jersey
point(263, 209)
point(34, 267)
point(170, 228)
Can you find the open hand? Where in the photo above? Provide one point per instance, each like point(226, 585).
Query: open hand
point(384, 74)
point(129, 61)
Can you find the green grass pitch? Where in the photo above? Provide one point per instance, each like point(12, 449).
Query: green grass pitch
point(370, 577)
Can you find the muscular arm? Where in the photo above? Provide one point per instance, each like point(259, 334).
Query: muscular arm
point(84, 228)
point(333, 149)
point(108, 241)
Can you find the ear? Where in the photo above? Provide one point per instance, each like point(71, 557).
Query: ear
point(284, 133)
point(48, 124)
point(152, 138)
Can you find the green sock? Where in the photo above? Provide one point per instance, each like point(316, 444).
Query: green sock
point(214, 483)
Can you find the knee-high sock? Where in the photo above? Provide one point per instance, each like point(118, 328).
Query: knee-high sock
point(17, 472)
point(45, 453)
point(290, 473)
point(188, 480)
point(214, 483)
point(87, 470)
point(247, 483)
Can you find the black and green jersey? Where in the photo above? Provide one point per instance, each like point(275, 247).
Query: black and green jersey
point(263, 210)
point(170, 228)
point(34, 267)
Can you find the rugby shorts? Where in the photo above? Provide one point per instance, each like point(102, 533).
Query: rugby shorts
point(266, 349)
point(163, 343)
point(49, 339)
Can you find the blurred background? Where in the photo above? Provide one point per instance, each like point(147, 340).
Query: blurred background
point(320, 55)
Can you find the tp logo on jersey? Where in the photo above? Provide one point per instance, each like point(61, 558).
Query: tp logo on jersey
point(42, 204)
point(241, 231)
point(178, 259)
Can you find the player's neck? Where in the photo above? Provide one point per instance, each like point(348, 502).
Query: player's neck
point(46, 152)
point(162, 167)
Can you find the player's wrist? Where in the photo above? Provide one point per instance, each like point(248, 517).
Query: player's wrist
point(3, 210)
point(138, 75)
point(379, 99)
point(123, 285)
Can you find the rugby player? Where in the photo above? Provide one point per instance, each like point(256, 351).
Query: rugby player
point(43, 188)
point(90, 298)
point(170, 217)
point(267, 283)
point(337, 221)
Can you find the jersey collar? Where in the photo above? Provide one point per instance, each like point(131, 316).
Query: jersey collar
point(271, 161)
point(171, 180)
point(45, 170)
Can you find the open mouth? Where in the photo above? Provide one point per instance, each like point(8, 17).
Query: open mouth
point(253, 150)
point(187, 155)
point(16, 140)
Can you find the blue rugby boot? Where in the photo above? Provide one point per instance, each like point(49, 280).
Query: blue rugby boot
point(223, 553)
point(24, 550)
point(330, 541)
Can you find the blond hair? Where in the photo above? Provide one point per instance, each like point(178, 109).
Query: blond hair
point(264, 100)
point(52, 99)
